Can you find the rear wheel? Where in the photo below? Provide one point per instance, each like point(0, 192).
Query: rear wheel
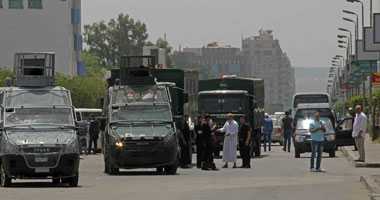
point(332, 154)
point(171, 170)
point(160, 169)
point(5, 180)
point(56, 181)
point(297, 153)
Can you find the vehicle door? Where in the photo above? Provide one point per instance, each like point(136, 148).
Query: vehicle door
point(344, 129)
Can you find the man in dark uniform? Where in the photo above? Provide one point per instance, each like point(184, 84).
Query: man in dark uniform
point(199, 140)
point(185, 146)
point(94, 133)
point(208, 162)
point(244, 138)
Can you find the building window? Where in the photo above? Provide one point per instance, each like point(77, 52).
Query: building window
point(1, 3)
point(35, 4)
point(16, 4)
point(267, 53)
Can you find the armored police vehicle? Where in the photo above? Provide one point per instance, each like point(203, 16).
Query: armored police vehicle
point(239, 96)
point(38, 136)
point(140, 130)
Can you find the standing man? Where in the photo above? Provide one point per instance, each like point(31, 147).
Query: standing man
point(244, 138)
point(185, 139)
point(231, 129)
point(317, 129)
point(94, 134)
point(208, 159)
point(268, 128)
point(287, 128)
point(199, 140)
point(359, 132)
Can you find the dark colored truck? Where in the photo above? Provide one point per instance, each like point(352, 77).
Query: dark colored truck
point(239, 96)
point(143, 115)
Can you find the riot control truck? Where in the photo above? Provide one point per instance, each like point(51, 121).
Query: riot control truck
point(38, 134)
point(141, 129)
point(239, 96)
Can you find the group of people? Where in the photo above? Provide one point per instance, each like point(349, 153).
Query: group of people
point(205, 130)
point(90, 132)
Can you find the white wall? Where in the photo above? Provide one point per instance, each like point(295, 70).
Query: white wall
point(39, 30)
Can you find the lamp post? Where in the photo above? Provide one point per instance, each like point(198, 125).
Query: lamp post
point(348, 38)
point(358, 1)
point(356, 26)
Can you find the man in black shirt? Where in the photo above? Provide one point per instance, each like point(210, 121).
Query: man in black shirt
point(199, 140)
point(208, 162)
point(185, 146)
point(94, 134)
point(244, 138)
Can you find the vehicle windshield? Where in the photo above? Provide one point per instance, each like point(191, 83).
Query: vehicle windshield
point(155, 130)
point(135, 113)
point(30, 116)
point(309, 113)
point(221, 104)
point(139, 94)
point(17, 98)
point(304, 124)
point(310, 98)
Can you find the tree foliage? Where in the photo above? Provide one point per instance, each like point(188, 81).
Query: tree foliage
point(4, 73)
point(93, 65)
point(86, 92)
point(119, 37)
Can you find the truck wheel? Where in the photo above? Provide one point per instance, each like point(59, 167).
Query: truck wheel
point(56, 181)
point(171, 170)
point(297, 153)
point(4, 178)
point(112, 170)
point(332, 154)
point(73, 181)
point(159, 169)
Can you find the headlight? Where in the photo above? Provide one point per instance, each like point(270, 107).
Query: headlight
point(299, 138)
point(330, 138)
point(119, 144)
point(72, 145)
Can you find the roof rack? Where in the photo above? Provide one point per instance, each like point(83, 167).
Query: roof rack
point(34, 69)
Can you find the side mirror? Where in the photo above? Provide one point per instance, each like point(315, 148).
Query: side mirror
point(185, 97)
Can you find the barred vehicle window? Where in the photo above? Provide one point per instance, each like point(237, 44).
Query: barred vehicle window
point(16, 4)
point(35, 4)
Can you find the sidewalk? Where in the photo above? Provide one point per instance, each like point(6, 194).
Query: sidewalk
point(372, 152)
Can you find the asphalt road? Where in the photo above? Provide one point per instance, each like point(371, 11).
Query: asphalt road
point(276, 175)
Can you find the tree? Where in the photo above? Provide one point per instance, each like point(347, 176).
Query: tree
point(86, 92)
point(93, 65)
point(121, 37)
point(4, 73)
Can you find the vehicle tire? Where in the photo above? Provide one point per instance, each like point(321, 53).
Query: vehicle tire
point(106, 168)
point(160, 169)
point(56, 181)
point(5, 180)
point(73, 181)
point(109, 168)
point(297, 153)
point(332, 154)
point(171, 170)
point(216, 153)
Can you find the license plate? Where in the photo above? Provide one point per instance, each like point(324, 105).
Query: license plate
point(40, 159)
point(42, 170)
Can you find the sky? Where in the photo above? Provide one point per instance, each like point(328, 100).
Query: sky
point(307, 29)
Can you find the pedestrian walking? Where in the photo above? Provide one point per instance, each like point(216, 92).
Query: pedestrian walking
point(82, 136)
point(199, 140)
point(244, 139)
point(208, 162)
point(317, 129)
point(185, 146)
point(286, 126)
point(94, 131)
point(231, 129)
point(268, 128)
point(359, 132)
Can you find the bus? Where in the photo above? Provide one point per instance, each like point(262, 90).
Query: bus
point(309, 98)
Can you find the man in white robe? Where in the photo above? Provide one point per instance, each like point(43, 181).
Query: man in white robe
point(231, 129)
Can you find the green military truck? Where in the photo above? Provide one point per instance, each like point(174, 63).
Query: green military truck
point(239, 96)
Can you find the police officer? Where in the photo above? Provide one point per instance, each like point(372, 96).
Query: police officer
point(94, 134)
point(244, 138)
point(199, 140)
point(208, 163)
point(185, 143)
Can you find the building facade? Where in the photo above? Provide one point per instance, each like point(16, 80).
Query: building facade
point(270, 63)
point(42, 26)
point(221, 60)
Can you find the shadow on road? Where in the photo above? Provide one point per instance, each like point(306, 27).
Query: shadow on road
point(142, 173)
point(38, 185)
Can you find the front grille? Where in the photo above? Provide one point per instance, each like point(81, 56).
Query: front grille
point(42, 160)
point(40, 150)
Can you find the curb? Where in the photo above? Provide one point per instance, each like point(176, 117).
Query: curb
point(372, 186)
point(350, 155)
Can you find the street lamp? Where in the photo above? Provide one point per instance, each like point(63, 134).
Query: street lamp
point(357, 17)
point(358, 1)
point(342, 42)
point(348, 38)
point(356, 26)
